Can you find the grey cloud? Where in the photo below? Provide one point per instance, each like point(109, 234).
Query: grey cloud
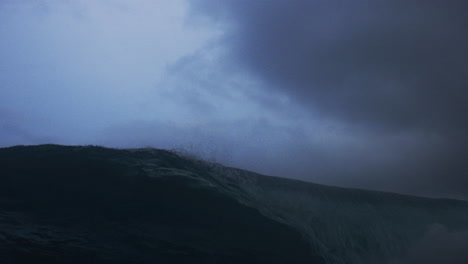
point(382, 69)
point(361, 94)
point(395, 64)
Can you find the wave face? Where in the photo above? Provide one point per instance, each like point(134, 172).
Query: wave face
point(90, 204)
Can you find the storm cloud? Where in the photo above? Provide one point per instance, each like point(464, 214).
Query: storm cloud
point(395, 64)
point(393, 69)
point(366, 94)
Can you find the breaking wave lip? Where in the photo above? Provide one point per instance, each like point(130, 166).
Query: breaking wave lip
point(343, 225)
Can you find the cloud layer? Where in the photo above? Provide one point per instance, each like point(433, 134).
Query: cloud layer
point(391, 71)
point(395, 64)
point(367, 94)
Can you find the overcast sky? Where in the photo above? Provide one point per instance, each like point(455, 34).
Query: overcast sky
point(368, 94)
